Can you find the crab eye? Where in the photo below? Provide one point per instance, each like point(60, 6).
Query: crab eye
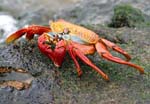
point(52, 34)
point(51, 44)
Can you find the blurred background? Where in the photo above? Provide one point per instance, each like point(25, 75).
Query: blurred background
point(18, 13)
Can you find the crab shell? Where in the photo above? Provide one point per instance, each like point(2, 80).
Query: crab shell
point(84, 34)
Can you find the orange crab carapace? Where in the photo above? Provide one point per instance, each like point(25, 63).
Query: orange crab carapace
point(62, 37)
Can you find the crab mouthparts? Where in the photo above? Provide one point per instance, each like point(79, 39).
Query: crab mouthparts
point(57, 53)
point(55, 50)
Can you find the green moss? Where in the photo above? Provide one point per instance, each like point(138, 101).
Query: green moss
point(148, 24)
point(126, 15)
point(1, 9)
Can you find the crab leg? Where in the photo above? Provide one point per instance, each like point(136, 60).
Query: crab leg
point(116, 48)
point(102, 50)
point(75, 61)
point(88, 62)
point(29, 31)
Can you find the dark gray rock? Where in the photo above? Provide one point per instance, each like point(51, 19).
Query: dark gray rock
point(28, 57)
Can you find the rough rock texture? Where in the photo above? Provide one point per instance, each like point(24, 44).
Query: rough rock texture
point(28, 57)
point(52, 85)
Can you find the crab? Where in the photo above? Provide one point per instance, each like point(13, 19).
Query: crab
point(63, 36)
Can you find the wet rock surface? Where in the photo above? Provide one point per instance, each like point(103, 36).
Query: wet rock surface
point(38, 93)
point(16, 78)
point(51, 85)
point(19, 56)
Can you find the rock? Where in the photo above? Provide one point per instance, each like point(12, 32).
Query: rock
point(98, 11)
point(52, 85)
point(126, 15)
point(41, 75)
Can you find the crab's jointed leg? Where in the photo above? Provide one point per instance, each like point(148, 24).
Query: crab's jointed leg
point(73, 56)
point(86, 49)
point(30, 31)
point(103, 51)
point(116, 48)
point(81, 56)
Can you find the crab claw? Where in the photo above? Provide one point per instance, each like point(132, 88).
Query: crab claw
point(55, 51)
point(29, 31)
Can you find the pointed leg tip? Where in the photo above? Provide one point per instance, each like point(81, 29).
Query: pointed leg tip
point(80, 73)
point(128, 58)
point(79, 76)
point(56, 65)
point(106, 78)
point(140, 69)
point(142, 72)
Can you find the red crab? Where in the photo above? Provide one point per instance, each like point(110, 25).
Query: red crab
point(63, 36)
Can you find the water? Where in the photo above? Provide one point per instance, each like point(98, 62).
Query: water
point(7, 26)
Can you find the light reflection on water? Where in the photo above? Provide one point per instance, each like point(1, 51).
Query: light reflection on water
point(7, 26)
